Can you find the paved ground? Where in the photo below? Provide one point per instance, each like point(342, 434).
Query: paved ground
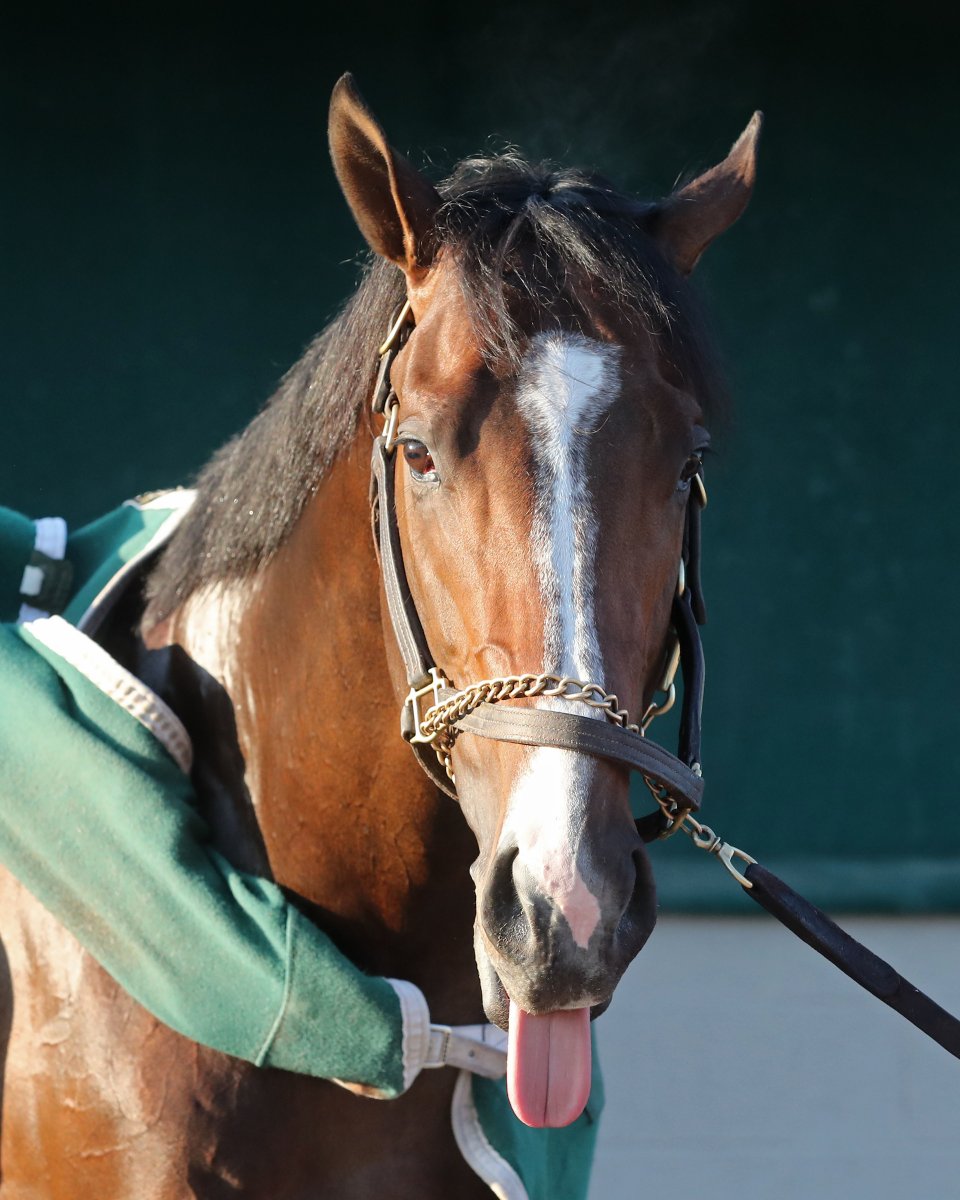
point(740, 1064)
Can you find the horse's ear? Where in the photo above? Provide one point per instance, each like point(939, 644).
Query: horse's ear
point(392, 202)
point(687, 222)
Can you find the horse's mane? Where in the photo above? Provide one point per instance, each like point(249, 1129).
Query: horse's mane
point(543, 239)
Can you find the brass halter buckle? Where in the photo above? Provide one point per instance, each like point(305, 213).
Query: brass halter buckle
point(412, 713)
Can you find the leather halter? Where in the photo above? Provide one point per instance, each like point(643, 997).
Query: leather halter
point(675, 781)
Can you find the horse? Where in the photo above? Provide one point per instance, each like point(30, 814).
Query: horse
point(549, 403)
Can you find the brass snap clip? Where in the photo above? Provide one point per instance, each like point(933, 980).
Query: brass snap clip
point(704, 838)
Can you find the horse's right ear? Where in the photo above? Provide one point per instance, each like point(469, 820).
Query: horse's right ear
point(393, 204)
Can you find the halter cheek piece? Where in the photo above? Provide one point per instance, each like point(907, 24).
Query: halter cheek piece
point(434, 712)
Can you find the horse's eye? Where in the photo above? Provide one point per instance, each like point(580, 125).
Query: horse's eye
point(691, 467)
point(420, 461)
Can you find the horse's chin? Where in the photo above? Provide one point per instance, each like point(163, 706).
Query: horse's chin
point(496, 1002)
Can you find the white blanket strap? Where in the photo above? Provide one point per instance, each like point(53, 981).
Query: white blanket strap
point(480, 1049)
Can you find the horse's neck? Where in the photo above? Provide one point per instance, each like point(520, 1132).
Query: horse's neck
point(348, 820)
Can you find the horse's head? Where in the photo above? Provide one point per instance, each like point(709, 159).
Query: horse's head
point(552, 399)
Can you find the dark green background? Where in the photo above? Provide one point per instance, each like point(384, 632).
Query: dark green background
point(171, 236)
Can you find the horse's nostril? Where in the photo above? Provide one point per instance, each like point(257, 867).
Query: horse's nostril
point(501, 909)
point(526, 913)
point(641, 908)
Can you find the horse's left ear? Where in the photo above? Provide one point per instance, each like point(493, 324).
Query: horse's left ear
point(392, 202)
point(687, 222)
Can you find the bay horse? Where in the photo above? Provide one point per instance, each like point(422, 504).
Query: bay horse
point(551, 403)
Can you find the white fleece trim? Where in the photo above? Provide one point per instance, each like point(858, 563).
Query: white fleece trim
point(176, 498)
point(50, 538)
point(416, 1028)
point(178, 503)
point(475, 1146)
point(115, 681)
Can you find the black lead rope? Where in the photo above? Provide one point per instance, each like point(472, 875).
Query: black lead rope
point(791, 909)
point(853, 959)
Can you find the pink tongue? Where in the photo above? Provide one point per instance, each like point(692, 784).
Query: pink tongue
point(548, 1066)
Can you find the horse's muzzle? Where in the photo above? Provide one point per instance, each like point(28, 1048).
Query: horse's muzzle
point(565, 946)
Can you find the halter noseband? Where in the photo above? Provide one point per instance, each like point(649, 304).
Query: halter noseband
point(435, 712)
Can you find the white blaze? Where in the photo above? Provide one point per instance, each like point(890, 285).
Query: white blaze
point(567, 383)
